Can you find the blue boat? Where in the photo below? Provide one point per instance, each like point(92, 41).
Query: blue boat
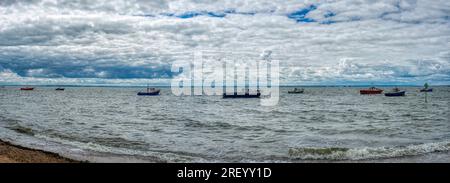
point(150, 91)
point(396, 93)
point(245, 95)
point(426, 90)
point(296, 91)
point(236, 95)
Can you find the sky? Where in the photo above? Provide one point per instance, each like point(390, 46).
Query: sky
point(134, 42)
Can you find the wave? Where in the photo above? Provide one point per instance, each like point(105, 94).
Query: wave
point(366, 153)
point(15, 125)
point(22, 130)
point(218, 125)
point(117, 142)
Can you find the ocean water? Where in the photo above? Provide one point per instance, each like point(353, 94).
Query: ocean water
point(325, 124)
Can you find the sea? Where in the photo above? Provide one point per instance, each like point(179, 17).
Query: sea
point(324, 124)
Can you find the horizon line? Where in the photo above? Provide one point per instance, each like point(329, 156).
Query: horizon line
point(121, 85)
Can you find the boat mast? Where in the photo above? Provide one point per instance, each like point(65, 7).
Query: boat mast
point(426, 92)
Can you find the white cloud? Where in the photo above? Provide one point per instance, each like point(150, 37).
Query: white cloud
point(381, 40)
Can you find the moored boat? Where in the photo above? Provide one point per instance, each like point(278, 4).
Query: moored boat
point(236, 95)
point(150, 91)
point(426, 90)
point(371, 91)
point(395, 93)
point(296, 90)
point(59, 89)
point(27, 88)
point(247, 94)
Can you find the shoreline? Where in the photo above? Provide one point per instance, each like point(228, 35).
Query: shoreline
point(11, 153)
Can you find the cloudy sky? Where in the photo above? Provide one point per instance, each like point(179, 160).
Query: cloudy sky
point(129, 42)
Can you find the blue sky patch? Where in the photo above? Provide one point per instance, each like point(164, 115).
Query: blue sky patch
point(215, 14)
point(329, 14)
point(189, 14)
point(300, 15)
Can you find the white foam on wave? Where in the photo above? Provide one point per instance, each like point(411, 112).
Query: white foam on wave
point(115, 151)
point(366, 153)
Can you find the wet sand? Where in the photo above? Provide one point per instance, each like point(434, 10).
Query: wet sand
point(10, 153)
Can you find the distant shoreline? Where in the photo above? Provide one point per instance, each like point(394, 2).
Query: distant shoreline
point(10, 153)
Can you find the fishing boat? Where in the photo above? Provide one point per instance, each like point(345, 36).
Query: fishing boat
point(426, 90)
point(247, 94)
point(296, 90)
point(371, 91)
point(59, 89)
point(395, 93)
point(27, 88)
point(150, 91)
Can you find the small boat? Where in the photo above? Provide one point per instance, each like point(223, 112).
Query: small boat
point(59, 89)
point(395, 93)
point(296, 90)
point(236, 95)
point(27, 88)
point(150, 91)
point(426, 90)
point(371, 91)
point(245, 95)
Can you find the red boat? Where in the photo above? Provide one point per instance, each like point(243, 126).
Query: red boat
point(27, 88)
point(371, 91)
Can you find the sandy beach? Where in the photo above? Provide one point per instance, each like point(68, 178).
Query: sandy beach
point(10, 153)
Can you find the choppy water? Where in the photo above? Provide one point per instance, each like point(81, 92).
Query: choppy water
point(321, 125)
